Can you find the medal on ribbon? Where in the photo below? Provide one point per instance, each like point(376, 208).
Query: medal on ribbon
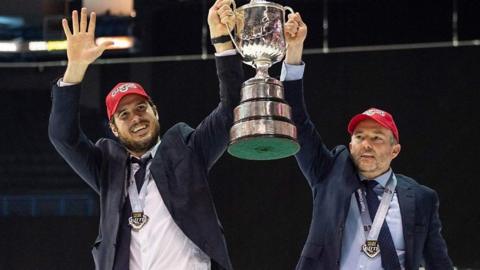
point(371, 248)
point(137, 220)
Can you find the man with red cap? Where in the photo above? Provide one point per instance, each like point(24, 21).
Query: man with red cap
point(156, 210)
point(365, 216)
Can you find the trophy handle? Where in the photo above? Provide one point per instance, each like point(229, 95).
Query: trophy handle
point(230, 31)
point(287, 8)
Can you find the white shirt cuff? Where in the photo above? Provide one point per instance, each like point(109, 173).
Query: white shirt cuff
point(61, 83)
point(292, 72)
point(226, 53)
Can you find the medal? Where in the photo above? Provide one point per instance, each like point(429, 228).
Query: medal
point(137, 220)
point(371, 248)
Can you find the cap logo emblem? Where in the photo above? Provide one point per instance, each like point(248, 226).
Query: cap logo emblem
point(374, 111)
point(122, 88)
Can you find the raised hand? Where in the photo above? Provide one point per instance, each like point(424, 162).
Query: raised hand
point(295, 34)
point(220, 15)
point(81, 47)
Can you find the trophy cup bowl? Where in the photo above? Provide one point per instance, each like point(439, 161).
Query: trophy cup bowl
point(262, 128)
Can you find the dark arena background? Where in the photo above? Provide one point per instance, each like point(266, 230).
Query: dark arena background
point(418, 59)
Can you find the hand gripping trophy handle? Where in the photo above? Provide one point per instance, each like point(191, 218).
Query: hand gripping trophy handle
point(230, 31)
point(262, 126)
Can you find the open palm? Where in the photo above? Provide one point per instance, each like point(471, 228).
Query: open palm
point(81, 47)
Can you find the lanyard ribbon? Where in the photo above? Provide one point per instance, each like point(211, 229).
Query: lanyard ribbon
point(372, 230)
point(137, 201)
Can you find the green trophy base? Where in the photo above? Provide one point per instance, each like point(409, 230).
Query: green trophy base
point(265, 147)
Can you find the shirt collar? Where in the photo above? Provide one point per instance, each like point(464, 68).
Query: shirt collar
point(381, 179)
point(152, 151)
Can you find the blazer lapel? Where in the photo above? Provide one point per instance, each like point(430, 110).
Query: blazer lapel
point(120, 176)
point(160, 174)
point(351, 177)
point(406, 200)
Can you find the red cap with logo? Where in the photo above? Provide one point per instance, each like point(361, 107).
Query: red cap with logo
point(382, 117)
point(118, 92)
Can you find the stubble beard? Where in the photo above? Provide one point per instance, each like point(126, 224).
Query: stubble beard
point(362, 167)
point(141, 146)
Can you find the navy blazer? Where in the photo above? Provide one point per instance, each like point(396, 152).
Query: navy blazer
point(332, 177)
point(179, 167)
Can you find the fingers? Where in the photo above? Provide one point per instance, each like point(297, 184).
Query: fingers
point(224, 9)
point(82, 26)
point(92, 23)
point(294, 24)
point(299, 19)
point(291, 27)
point(66, 28)
point(104, 45)
point(83, 20)
point(228, 20)
point(217, 4)
point(221, 3)
point(226, 14)
point(75, 22)
point(294, 17)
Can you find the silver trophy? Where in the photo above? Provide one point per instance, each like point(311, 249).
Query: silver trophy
point(262, 128)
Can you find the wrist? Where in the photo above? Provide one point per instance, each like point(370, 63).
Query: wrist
point(217, 31)
point(75, 72)
point(221, 47)
point(294, 55)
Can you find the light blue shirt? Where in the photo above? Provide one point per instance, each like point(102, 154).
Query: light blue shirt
point(354, 236)
point(292, 72)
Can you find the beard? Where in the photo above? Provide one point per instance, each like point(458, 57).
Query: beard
point(139, 146)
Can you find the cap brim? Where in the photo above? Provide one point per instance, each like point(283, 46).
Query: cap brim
point(359, 118)
point(114, 109)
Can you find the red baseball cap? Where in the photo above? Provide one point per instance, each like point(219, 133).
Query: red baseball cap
point(382, 117)
point(118, 92)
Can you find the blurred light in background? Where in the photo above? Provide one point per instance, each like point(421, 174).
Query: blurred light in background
point(118, 42)
point(9, 46)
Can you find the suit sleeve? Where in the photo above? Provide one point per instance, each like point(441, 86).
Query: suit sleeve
point(313, 157)
point(68, 138)
point(435, 251)
point(210, 138)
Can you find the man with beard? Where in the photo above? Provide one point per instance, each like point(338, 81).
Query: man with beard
point(156, 208)
point(364, 215)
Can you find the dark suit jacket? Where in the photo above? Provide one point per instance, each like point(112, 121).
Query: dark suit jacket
point(179, 167)
point(332, 178)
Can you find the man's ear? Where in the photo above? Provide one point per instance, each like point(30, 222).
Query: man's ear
point(113, 128)
point(155, 111)
point(396, 150)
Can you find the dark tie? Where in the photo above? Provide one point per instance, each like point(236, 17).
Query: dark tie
point(122, 253)
point(387, 248)
point(140, 173)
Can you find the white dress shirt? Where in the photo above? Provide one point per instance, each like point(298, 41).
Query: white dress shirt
point(161, 244)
